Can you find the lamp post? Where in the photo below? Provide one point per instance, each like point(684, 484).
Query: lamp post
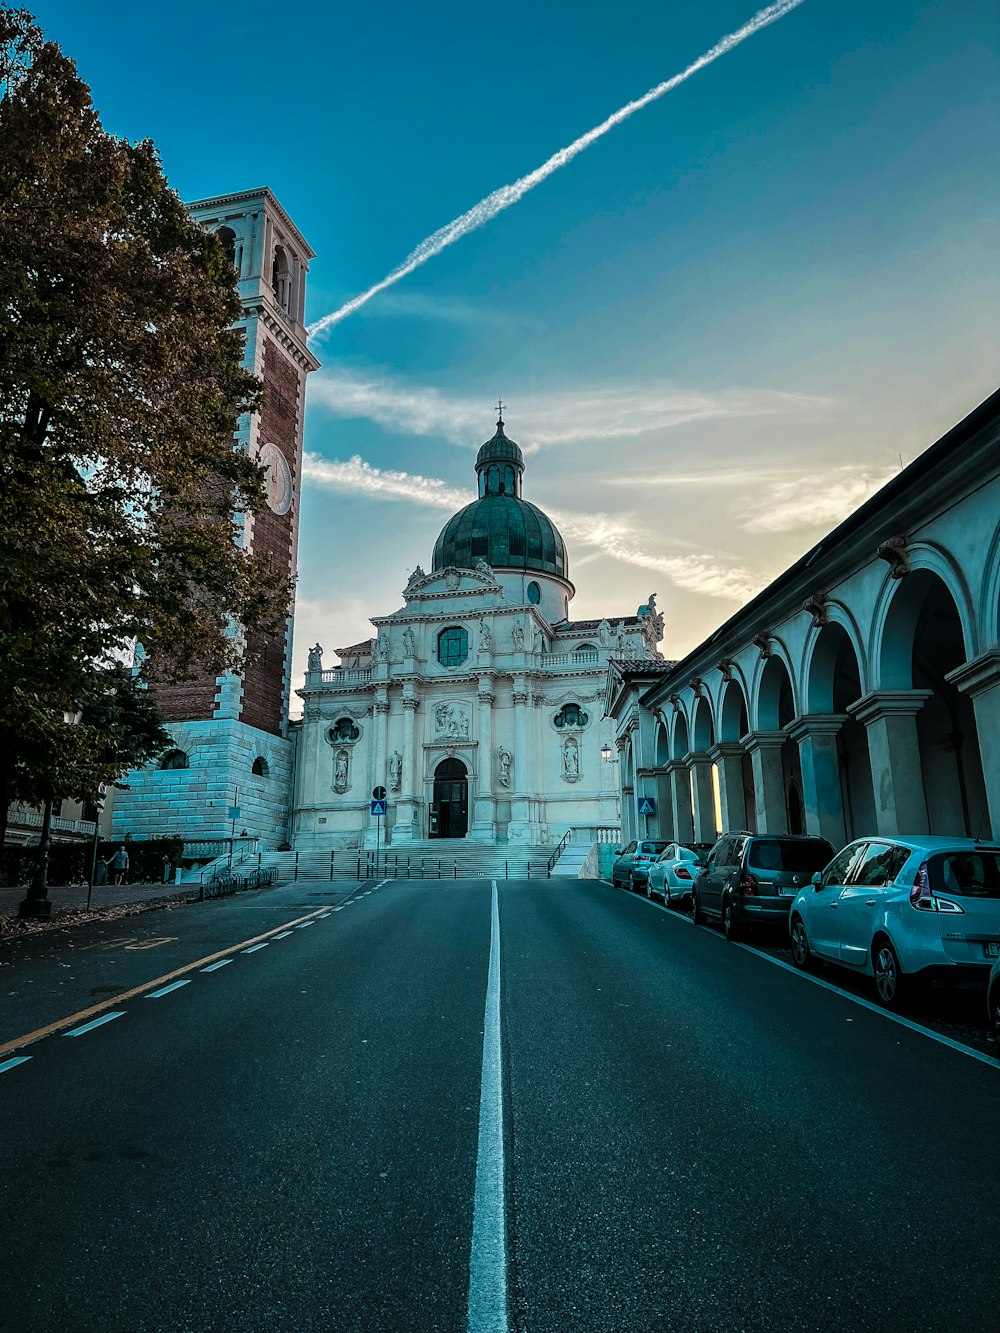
point(35, 902)
point(102, 791)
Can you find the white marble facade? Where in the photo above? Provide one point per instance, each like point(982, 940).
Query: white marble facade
point(521, 715)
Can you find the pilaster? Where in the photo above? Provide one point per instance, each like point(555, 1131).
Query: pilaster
point(890, 718)
point(822, 792)
point(764, 749)
point(728, 757)
point(702, 796)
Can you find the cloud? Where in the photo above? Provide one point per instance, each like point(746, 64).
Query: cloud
point(814, 500)
point(562, 416)
point(507, 195)
point(611, 535)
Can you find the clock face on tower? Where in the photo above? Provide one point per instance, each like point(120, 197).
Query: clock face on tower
point(277, 478)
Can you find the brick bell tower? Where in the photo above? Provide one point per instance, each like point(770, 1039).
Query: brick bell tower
point(231, 731)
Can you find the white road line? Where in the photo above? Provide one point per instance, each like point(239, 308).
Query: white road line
point(255, 947)
point(488, 1261)
point(95, 1023)
point(165, 990)
point(875, 1008)
point(302, 925)
point(322, 917)
point(846, 994)
point(13, 1063)
point(212, 967)
point(283, 936)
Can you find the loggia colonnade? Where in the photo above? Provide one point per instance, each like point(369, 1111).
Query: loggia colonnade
point(860, 692)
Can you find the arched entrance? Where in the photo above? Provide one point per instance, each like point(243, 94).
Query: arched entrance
point(449, 813)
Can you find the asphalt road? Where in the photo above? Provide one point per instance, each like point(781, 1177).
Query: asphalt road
point(692, 1137)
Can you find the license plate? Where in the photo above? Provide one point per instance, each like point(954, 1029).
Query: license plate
point(991, 950)
point(787, 893)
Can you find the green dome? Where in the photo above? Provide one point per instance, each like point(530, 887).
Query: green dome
point(500, 527)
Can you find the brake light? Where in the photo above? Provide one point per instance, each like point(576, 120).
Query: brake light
point(924, 900)
point(748, 883)
point(681, 873)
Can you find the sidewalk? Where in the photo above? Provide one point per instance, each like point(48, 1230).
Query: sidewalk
point(69, 901)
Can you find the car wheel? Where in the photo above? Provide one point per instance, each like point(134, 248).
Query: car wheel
point(889, 980)
point(697, 916)
point(801, 953)
point(729, 926)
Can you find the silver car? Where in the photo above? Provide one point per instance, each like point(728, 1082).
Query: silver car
point(671, 877)
point(900, 908)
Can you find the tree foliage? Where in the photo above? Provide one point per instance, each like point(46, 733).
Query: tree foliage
point(121, 485)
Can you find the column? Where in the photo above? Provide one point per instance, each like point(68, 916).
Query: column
point(822, 791)
point(680, 801)
point(890, 718)
point(764, 748)
point(407, 817)
point(980, 680)
point(728, 756)
point(519, 830)
point(664, 805)
point(380, 754)
point(484, 828)
point(703, 796)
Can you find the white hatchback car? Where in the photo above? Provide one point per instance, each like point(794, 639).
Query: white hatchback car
point(901, 908)
point(672, 876)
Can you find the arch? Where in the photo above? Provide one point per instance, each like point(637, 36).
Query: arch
point(679, 743)
point(281, 278)
point(259, 767)
point(898, 605)
point(703, 726)
point(989, 602)
point(227, 239)
point(585, 648)
point(839, 617)
point(449, 812)
point(508, 480)
point(734, 716)
point(831, 670)
point(661, 746)
point(774, 703)
point(832, 683)
point(174, 759)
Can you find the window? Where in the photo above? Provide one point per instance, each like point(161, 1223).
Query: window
point(259, 767)
point(281, 278)
point(227, 239)
point(508, 480)
point(571, 715)
point(534, 593)
point(342, 730)
point(882, 863)
point(585, 648)
point(842, 864)
point(453, 646)
point(968, 874)
point(794, 855)
point(174, 759)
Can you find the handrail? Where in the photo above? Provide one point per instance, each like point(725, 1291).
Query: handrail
point(558, 851)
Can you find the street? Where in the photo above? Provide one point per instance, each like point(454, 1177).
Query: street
point(689, 1137)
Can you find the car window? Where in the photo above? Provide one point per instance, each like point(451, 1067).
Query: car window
point(880, 865)
point(668, 855)
point(723, 851)
point(967, 874)
point(699, 851)
point(799, 855)
point(843, 863)
point(630, 848)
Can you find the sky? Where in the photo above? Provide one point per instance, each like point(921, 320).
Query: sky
point(716, 330)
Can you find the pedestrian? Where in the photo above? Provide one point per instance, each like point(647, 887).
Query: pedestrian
point(119, 864)
point(167, 870)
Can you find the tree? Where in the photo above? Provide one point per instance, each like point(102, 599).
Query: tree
point(121, 486)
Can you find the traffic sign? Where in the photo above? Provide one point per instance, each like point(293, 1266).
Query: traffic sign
point(647, 805)
point(378, 807)
point(378, 793)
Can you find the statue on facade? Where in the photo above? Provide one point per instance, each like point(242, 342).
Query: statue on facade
point(486, 570)
point(383, 648)
point(409, 646)
point(517, 636)
point(505, 759)
point(485, 637)
point(340, 771)
point(571, 761)
point(316, 657)
point(417, 574)
point(395, 770)
point(451, 722)
point(604, 633)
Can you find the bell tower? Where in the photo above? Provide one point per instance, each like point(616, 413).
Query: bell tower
point(232, 730)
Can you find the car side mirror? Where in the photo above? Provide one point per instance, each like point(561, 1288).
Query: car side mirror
point(617, 851)
point(817, 880)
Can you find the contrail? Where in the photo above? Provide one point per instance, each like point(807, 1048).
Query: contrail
point(509, 194)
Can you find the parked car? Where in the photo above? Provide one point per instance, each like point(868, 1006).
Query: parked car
point(630, 866)
point(750, 879)
point(671, 876)
point(993, 1000)
point(901, 908)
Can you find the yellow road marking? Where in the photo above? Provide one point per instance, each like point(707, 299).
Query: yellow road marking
point(84, 1014)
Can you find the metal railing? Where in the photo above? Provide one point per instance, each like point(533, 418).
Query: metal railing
point(559, 849)
point(343, 677)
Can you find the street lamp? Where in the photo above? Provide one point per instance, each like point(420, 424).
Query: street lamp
point(606, 753)
point(36, 902)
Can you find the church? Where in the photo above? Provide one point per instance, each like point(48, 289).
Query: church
point(477, 705)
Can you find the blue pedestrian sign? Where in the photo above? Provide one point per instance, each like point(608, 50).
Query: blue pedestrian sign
point(378, 807)
point(647, 805)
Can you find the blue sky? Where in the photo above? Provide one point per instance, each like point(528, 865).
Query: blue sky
point(716, 330)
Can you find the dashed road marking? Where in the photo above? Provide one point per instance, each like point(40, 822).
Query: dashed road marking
point(12, 1064)
point(283, 936)
point(95, 1023)
point(214, 967)
point(165, 990)
point(255, 947)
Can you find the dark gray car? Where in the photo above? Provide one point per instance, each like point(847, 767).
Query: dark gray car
point(750, 879)
point(631, 866)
